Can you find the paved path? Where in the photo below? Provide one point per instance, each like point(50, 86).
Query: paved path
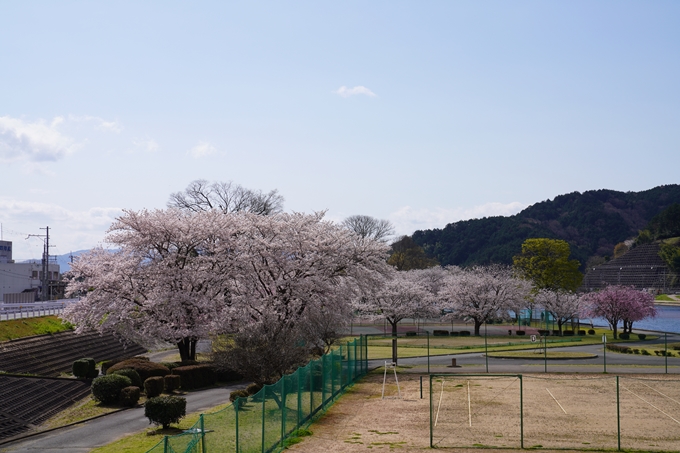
point(84, 437)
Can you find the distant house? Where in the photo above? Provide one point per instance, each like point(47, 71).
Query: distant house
point(641, 267)
point(22, 282)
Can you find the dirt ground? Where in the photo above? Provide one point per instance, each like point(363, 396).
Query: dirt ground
point(576, 412)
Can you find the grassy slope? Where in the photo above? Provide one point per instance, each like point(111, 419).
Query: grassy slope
point(19, 328)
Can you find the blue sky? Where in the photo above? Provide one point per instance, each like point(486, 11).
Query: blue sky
point(423, 113)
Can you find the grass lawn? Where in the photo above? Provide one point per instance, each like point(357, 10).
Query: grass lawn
point(27, 327)
point(380, 347)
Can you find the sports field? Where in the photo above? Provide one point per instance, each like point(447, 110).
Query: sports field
point(577, 412)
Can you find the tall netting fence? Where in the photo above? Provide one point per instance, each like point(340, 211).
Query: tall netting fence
point(261, 422)
point(555, 412)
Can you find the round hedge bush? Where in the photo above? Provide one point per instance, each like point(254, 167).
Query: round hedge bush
point(172, 382)
point(142, 366)
point(132, 374)
point(129, 396)
point(163, 410)
point(85, 369)
point(106, 389)
point(154, 386)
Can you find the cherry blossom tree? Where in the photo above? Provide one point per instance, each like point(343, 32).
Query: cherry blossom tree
point(564, 306)
point(403, 295)
point(481, 293)
point(265, 280)
point(162, 282)
point(290, 270)
point(621, 303)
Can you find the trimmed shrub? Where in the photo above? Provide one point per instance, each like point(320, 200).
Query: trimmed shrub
point(543, 332)
point(440, 333)
point(520, 332)
point(591, 331)
point(238, 394)
point(636, 351)
point(129, 396)
point(645, 352)
point(85, 369)
point(568, 333)
point(464, 333)
point(163, 410)
point(454, 333)
point(170, 365)
point(624, 336)
point(171, 382)
point(154, 386)
point(142, 366)
point(253, 388)
point(196, 376)
point(227, 375)
point(617, 348)
point(132, 374)
point(106, 389)
point(641, 336)
point(411, 334)
point(581, 332)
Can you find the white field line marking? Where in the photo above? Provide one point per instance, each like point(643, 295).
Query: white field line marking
point(676, 421)
point(674, 400)
point(440, 404)
point(558, 403)
point(469, 406)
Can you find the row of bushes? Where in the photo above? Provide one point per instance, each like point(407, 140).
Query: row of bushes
point(453, 333)
point(629, 350)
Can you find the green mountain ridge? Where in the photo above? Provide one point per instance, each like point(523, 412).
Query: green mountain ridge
point(592, 222)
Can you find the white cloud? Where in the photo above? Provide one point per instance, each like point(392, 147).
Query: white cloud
point(69, 230)
point(202, 149)
point(38, 141)
point(407, 219)
point(347, 92)
point(100, 123)
point(146, 144)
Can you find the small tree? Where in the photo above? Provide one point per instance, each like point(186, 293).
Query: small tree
point(546, 263)
point(164, 410)
point(481, 293)
point(621, 303)
point(399, 297)
point(562, 305)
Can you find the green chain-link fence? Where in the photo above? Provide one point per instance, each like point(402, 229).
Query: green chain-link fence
point(261, 422)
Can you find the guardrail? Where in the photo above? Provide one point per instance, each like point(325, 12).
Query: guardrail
point(34, 309)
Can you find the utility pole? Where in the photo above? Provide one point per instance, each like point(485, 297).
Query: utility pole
point(45, 280)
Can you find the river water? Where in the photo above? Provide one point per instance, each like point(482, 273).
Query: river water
point(667, 320)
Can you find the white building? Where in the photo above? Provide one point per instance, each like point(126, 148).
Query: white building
point(22, 282)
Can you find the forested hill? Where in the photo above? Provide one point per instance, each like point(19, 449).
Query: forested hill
point(592, 222)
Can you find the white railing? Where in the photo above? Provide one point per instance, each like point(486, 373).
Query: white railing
point(33, 309)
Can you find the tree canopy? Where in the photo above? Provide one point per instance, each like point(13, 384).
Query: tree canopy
point(178, 276)
point(546, 263)
point(369, 227)
point(226, 197)
point(407, 255)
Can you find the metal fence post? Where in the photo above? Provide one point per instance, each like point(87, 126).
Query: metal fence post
point(264, 399)
point(323, 380)
point(665, 347)
point(299, 398)
point(202, 433)
point(431, 434)
point(237, 405)
point(618, 415)
point(521, 411)
point(283, 409)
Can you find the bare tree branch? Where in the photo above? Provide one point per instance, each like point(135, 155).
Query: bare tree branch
point(227, 197)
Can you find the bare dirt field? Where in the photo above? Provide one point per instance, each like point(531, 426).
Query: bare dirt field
point(576, 412)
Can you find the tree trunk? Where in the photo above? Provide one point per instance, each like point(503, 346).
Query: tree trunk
point(478, 324)
point(187, 348)
point(394, 342)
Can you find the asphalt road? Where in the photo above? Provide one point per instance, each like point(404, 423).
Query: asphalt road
point(84, 437)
